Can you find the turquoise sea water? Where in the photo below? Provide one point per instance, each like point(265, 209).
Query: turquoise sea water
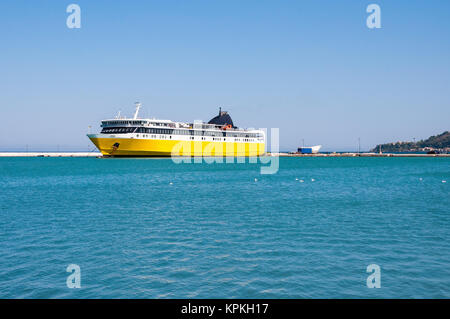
point(215, 232)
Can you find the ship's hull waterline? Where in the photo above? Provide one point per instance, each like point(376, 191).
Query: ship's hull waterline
point(162, 148)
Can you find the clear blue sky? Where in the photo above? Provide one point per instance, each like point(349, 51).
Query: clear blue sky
point(311, 68)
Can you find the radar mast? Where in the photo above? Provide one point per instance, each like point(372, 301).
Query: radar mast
point(138, 106)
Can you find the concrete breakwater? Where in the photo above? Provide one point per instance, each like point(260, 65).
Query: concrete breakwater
point(50, 154)
point(97, 154)
point(356, 155)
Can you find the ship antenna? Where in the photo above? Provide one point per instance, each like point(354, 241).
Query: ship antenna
point(138, 106)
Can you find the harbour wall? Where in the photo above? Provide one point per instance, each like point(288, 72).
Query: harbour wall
point(50, 154)
point(356, 155)
point(97, 154)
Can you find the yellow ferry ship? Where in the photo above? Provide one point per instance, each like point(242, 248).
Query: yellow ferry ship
point(152, 137)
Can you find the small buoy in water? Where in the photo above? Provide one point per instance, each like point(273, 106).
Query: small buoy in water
point(301, 181)
point(296, 179)
point(170, 183)
point(420, 179)
point(313, 180)
point(444, 181)
point(256, 179)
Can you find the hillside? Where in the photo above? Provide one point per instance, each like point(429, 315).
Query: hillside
point(439, 142)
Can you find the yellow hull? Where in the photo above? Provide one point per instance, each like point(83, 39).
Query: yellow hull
point(152, 147)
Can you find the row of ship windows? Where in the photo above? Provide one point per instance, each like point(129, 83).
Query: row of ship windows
point(123, 130)
point(137, 123)
point(193, 138)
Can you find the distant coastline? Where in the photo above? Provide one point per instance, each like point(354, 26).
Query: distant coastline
point(434, 144)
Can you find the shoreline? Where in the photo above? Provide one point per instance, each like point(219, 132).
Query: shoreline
point(50, 154)
point(98, 154)
point(357, 155)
